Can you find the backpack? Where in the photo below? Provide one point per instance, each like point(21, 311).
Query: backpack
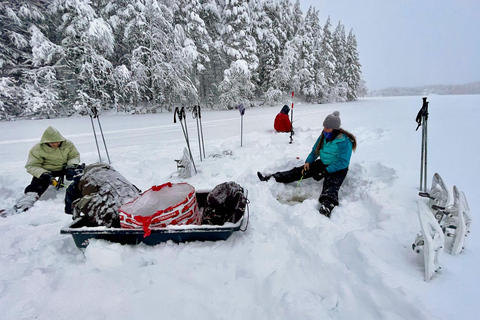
point(103, 190)
point(225, 203)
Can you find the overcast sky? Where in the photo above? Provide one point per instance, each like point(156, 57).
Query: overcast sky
point(410, 42)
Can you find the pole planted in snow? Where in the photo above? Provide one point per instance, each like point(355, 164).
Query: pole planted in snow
point(291, 131)
point(421, 120)
point(241, 109)
point(183, 119)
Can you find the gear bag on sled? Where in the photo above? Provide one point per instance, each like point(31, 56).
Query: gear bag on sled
point(161, 206)
point(98, 194)
point(223, 203)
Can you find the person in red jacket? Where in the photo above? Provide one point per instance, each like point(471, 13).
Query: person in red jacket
point(282, 121)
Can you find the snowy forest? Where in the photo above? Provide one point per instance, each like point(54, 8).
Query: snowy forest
point(58, 57)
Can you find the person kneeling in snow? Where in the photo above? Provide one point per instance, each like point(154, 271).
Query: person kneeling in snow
point(53, 156)
point(282, 122)
point(334, 148)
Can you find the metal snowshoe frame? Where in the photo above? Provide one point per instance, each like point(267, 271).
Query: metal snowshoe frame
point(453, 220)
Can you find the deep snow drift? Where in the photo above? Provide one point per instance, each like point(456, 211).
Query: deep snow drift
point(291, 263)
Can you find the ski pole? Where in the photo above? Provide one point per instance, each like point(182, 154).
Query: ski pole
point(241, 132)
point(421, 120)
point(201, 130)
point(195, 116)
point(182, 116)
point(103, 137)
point(241, 109)
point(95, 135)
point(425, 127)
point(291, 132)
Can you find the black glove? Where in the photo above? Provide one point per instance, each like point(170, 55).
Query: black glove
point(73, 171)
point(46, 177)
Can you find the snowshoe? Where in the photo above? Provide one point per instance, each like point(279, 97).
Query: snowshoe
point(26, 202)
point(431, 240)
point(438, 195)
point(263, 177)
point(457, 226)
point(185, 166)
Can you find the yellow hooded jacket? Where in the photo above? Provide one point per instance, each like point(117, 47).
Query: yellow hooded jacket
point(43, 158)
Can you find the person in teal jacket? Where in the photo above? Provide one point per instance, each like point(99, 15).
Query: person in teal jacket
point(328, 160)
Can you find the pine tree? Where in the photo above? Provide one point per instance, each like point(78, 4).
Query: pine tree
point(356, 86)
point(240, 48)
point(339, 43)
point(26, 58)
point(310, 79)
point(327, 63)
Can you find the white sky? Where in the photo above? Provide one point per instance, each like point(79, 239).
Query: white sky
point(410, 43)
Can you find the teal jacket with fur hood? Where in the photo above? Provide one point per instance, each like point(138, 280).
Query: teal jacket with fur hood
point(334, 154)
point(43, 158)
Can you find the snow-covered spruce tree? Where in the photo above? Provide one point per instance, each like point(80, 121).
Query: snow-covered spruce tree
point(309, 66)
point(327, 63)
point(273, 31)
point(87, 42)
point(41, 95)
point(240, 48)
point(160, 58)
point(188, 14)
point(26, 60)
point(9, 94)
point(236, 85)
point(353, 72)
point(340, 86)
point(212, 75)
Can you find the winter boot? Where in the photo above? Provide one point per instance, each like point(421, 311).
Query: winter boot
point(326, 208)
point(263, 177)
point(26, 202)
point(289, 176)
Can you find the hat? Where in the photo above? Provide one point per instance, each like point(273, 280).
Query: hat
point(285, 109)
point(333, 121)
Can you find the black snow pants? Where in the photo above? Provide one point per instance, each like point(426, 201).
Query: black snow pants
point(331, 184)
point(40, 185)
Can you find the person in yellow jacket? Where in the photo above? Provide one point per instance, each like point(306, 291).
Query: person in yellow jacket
point(53, 156)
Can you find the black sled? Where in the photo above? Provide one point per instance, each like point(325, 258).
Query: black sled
point(82, 233)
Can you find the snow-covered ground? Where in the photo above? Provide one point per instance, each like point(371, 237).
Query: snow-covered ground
point(291, 263)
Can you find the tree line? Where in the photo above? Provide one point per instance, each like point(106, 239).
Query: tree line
point(58, 57)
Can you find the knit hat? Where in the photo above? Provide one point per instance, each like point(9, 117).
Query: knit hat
point(285, 109)
point(333, 121)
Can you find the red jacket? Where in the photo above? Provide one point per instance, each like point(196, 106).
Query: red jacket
point(282, 123)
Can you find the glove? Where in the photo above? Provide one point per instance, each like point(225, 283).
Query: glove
point(73, 171)
point(46, 177)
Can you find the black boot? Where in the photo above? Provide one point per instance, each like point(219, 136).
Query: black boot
point(289, 176)
point(326, 208)
point(263, 177)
